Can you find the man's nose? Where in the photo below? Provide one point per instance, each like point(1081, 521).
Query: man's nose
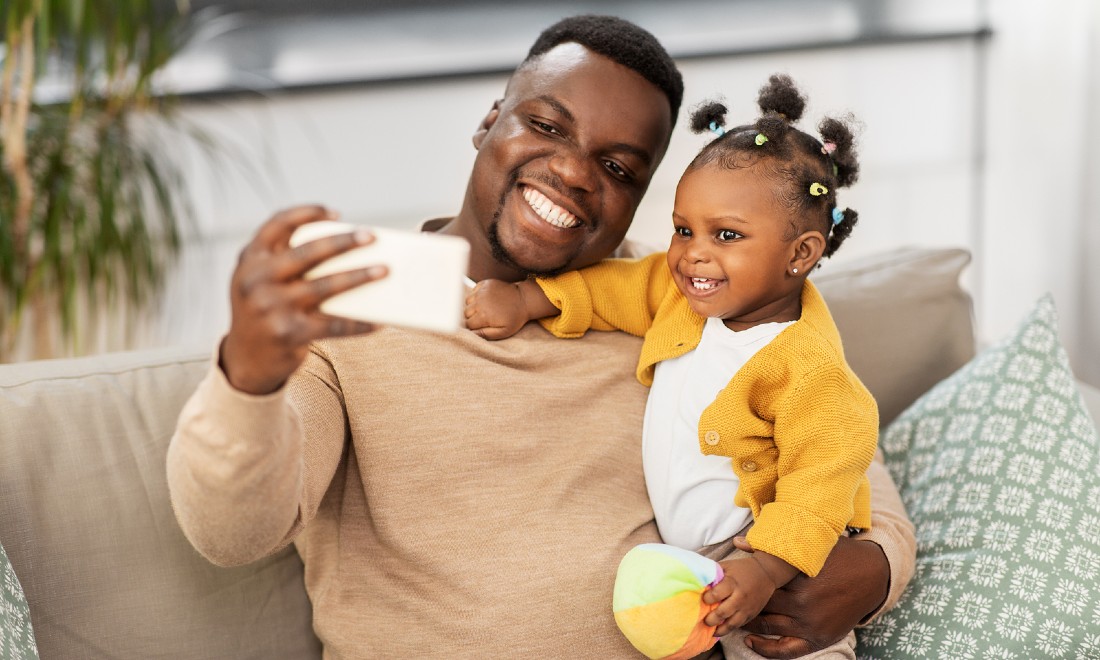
point(574, 169)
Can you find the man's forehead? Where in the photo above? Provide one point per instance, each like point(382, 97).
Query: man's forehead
point(572, 75)
point(566, 64)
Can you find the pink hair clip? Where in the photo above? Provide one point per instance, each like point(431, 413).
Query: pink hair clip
point(828, 148)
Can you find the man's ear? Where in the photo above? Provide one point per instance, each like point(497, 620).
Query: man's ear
point(486, 123)
point(806, 252)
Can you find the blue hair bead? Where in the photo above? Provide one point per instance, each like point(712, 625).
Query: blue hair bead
point(838, 216)
point(716, 129)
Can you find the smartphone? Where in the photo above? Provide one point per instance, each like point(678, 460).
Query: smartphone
point(425, 287)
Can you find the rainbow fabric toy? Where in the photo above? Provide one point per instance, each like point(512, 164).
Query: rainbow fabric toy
point(658, 600)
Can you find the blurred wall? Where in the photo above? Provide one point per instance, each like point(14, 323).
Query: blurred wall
point(1012, 185)
point(1041, 230)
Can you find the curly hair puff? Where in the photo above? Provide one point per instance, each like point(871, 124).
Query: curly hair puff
point(791, 158)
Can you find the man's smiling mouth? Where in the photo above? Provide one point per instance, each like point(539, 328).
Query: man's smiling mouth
point(549, 211)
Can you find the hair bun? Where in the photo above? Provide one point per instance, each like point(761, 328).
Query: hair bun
point(706, 113)
point(781, 96)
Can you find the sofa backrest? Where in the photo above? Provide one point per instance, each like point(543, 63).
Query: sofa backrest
point(905, 320)
point(86, 521)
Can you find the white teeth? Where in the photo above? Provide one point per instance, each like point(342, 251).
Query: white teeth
point(703, 283)
point(549, 211)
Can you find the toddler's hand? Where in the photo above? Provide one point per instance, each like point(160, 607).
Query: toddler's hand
point(743, 592)
point(495, 309)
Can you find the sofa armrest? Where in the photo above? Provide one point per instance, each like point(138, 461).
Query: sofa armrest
point(86, 520)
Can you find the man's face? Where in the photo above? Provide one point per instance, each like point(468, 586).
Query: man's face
point(566, 159)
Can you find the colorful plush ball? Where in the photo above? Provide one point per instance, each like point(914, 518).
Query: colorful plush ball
point(658, 600)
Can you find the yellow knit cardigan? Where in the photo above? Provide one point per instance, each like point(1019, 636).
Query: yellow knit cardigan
point(798, 424)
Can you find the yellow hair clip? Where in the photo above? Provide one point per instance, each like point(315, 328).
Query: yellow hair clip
point(760, 139)
point(817, 190)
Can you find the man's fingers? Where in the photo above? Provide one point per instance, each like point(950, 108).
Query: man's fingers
point(783, 648)
point(770, 624)
point(275, 233)
point(309, 294)
point(292, 264)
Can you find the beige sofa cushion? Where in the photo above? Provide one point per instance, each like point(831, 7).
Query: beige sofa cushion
point(86, 520)
point(905, 320)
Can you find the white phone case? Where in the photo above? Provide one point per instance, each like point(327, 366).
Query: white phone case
point(425, 287)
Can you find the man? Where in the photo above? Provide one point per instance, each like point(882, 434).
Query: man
point(453, 497)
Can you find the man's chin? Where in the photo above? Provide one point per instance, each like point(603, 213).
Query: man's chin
point(538, 267)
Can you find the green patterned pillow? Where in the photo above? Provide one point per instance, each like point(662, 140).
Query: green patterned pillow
point(16, 636)
point(999, 468)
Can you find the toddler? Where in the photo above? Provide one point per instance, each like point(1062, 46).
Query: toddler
point(754, 419)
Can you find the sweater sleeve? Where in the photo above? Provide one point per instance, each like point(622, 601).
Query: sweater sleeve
point(826, 432)
point(243, 481)
point(892, 530)
point(615, 294)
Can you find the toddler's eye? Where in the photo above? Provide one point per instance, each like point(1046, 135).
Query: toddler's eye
point(728, 235)
point(682, 231)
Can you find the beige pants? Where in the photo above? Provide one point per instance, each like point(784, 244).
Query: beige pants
point(732, 646)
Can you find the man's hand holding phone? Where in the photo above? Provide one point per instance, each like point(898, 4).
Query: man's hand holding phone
point(276, 310)
point(300, 280)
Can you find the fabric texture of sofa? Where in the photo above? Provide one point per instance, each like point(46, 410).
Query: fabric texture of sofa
point(86, 520)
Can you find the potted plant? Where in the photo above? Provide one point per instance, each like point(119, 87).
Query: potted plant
point(92, 204)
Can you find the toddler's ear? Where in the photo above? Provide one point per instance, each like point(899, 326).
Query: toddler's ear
point(486, 123)
point(806, 252)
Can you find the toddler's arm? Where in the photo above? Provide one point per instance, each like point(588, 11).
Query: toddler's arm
point(747, 587)
point(497, 310)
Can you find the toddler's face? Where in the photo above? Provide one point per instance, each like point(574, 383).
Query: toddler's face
point(731, 247)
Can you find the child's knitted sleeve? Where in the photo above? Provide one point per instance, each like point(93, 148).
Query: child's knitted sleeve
point(615, 294)
point(826, 432)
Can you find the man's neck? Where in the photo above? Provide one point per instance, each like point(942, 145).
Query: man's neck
point(483, 265)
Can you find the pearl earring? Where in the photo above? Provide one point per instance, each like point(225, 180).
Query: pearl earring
point(795, 271)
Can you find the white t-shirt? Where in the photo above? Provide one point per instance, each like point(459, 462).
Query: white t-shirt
point(692, 493)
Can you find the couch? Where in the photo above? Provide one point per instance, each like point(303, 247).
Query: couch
point(86, 521)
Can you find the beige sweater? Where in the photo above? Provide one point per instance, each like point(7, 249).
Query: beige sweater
point(456, 498)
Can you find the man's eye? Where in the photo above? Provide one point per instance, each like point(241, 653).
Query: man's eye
point(728, 235)
point(616, 169)
point(544, 127)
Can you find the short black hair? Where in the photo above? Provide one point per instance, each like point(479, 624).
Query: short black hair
point(806, 171)
point(620, 41)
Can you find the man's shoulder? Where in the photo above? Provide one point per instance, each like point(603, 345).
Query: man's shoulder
point(434, 224)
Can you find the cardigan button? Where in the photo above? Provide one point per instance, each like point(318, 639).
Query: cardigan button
point(711, 437)
point(749, 466)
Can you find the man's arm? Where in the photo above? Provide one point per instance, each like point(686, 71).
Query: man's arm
point(892, 531)
point(241, 478)
point(864, 576)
